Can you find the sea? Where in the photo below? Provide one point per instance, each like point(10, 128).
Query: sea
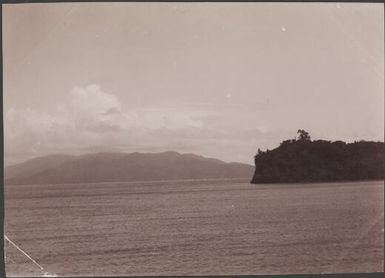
point(194, 227)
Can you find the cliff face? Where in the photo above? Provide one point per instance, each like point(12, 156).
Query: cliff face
point(320, 161)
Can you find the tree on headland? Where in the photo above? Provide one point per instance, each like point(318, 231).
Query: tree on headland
point(304, 160)
point(303, 135)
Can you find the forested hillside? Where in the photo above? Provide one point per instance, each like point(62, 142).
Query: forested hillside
point(304, 160)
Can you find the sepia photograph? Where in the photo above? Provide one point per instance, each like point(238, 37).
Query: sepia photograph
point(196, 138)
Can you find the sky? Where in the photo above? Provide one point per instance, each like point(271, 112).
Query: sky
point(216, 79)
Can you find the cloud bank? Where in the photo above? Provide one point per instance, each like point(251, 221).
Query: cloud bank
point(93, 120)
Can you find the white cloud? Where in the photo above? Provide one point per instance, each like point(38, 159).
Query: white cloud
point(24, 130)
point(88, 118)
point(167, 118)
point(92, 120)
point(92, 100)
point(91, 109)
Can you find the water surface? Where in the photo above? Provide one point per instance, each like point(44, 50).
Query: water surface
point(195, 228)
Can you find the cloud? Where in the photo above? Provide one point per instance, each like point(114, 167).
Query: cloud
point(23, 130)
point(166, 118)
point(92, 100)
point(92, 120)
point(89, 118)
point(91, 109)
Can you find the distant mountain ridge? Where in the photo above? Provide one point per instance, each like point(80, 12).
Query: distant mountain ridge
point(114, 167)
point(35, 165)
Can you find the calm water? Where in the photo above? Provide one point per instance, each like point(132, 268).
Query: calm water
point(195, 227)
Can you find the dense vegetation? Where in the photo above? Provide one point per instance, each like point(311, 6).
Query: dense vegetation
point(303, 160)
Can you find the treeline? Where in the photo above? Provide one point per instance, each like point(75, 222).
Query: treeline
point(303, 160)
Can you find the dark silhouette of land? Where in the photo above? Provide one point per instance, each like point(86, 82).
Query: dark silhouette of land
point(110, 167)
point(303, 160)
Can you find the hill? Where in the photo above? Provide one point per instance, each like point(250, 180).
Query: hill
point(109, 167)
point(320, 161)
point(36, 165)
